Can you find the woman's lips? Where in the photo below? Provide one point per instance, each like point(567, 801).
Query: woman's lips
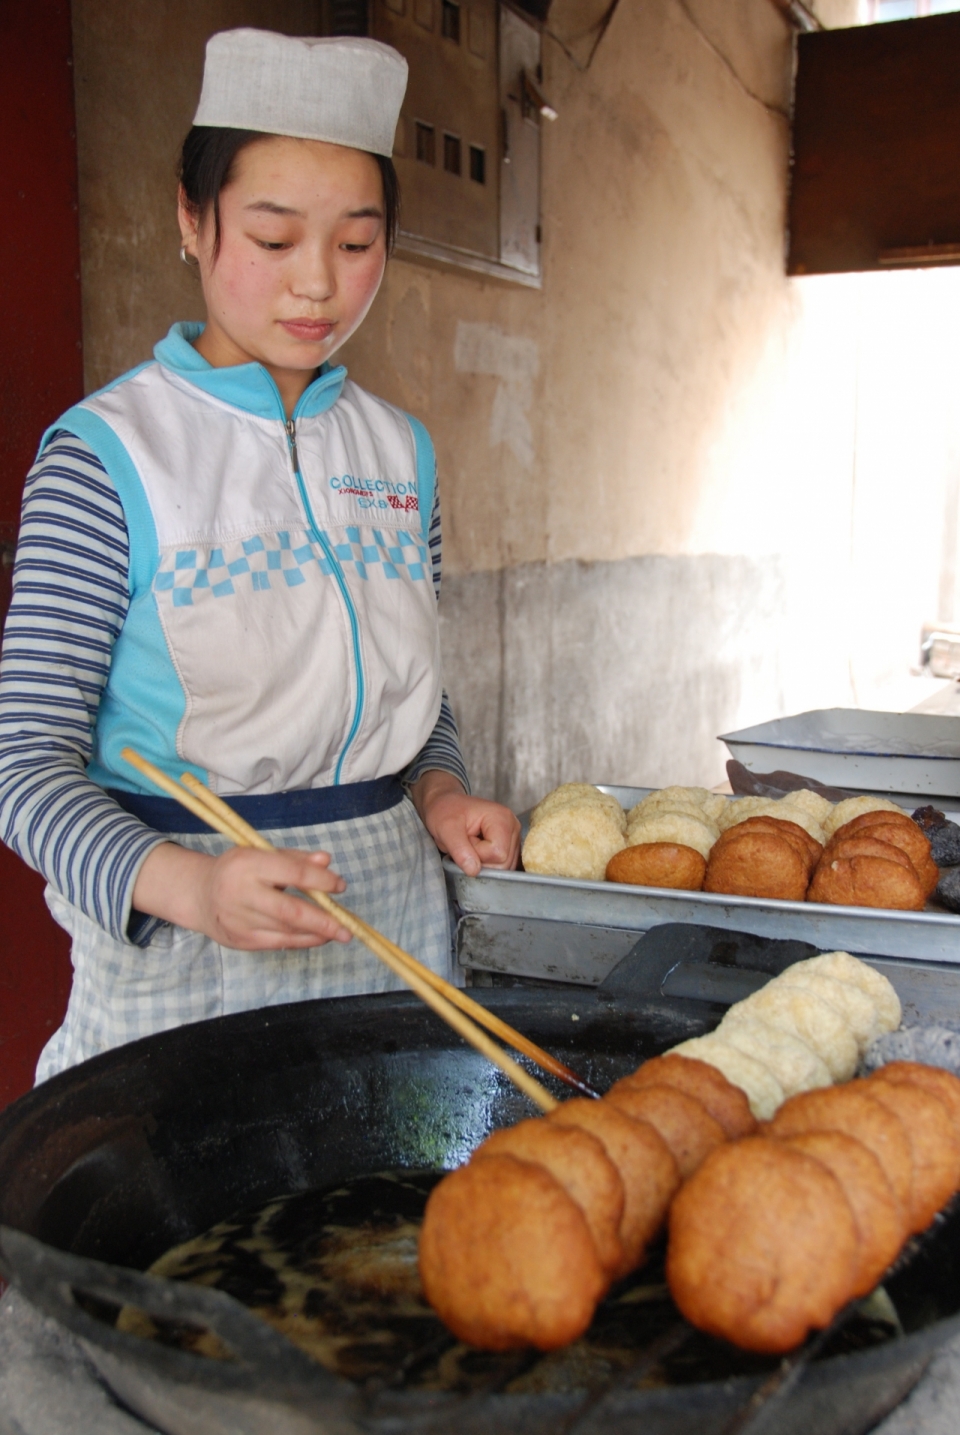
point(314, 330)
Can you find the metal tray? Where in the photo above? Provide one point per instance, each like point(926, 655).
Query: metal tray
point(910, 753)
point(932, 935)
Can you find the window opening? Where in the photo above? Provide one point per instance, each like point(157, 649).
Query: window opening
point(426, 143)
point(451, 154)
point(478, 164)
point(450, 21)
point(876, 12)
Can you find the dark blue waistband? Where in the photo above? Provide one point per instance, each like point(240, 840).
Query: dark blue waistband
point(302, 807)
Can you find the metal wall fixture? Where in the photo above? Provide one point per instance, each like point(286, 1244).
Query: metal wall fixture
point(468, 143)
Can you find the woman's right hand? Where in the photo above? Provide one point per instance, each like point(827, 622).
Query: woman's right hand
point(238, 899)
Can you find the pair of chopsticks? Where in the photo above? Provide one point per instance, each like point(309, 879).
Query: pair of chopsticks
point(458, 1010)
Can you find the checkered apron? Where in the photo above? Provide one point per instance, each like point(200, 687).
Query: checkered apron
point(122, 992)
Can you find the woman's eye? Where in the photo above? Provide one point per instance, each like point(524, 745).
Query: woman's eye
point(356, 248)
point(270, 244)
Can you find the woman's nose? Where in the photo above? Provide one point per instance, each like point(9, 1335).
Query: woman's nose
point(315, 277)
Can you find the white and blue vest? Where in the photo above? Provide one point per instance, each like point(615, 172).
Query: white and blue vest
point(282, 629)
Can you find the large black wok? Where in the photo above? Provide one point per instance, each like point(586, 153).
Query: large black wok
point(105, 1167)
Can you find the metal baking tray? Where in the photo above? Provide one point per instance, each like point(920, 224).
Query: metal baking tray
point(932, 935)
point(908, 753)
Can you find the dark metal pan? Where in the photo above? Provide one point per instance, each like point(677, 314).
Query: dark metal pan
point(107, 1166)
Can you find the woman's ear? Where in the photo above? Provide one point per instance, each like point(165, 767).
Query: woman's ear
point(188, 219)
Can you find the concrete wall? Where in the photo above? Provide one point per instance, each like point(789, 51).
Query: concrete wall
point(668, 478)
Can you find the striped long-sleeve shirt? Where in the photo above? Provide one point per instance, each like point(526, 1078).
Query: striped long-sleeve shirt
point(70, 599)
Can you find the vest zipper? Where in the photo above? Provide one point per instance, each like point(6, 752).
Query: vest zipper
point(331, 557)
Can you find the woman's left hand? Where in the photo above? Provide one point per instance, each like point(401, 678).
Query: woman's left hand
point(474, 832)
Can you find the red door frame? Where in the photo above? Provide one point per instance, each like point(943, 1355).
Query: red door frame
point(41, 374)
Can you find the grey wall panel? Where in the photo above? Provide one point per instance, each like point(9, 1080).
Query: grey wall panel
point(612, 672)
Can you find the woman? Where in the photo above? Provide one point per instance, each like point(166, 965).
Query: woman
point(229, 561)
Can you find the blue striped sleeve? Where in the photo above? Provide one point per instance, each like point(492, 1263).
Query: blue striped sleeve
point(69, 602)
point(435, 542)
point(441, 752)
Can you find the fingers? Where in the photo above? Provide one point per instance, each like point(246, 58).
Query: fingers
point(476, 834)
point(252, 910)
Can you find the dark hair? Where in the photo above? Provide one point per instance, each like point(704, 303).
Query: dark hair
point(206, 165)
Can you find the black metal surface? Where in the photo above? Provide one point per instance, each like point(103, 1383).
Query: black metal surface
point(144, 1147)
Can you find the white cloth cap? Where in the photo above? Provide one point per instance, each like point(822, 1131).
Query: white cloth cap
point(345, 90)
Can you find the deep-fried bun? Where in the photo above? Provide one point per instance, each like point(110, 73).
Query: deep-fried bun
point(853, 1110)
point(865, 844)
point(877, 1217)
point(763, 1246)
point(866, 882)
point(858, 1009)
point(914, 842)
point(658, 864)
point(758, 1083)
point(932, 1078)
point(807, 1016)
point(796, 835)
point(860, 974)
point(695, 798)
point(725, 1102)
point(741, 808)
point(796, 1065)
point(646, 1165)
point(576, 794)
point(573, 841)
point(908, 837)
point(757, 864)
point(682, 827)
point(507, 1259)
point(852, 807)
point(580, 1163)
point(934, 1146)
point(812, 803)
point(685, 1125)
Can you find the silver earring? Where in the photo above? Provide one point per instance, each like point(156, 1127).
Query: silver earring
point(189, 260)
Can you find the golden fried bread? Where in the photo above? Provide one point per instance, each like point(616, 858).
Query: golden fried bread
point(867, 882)
point(757, 864)
point(905, 835)
point(763, 1245)
point(877, 1216)
point(646, 1165)
point(865, 844)
point(853, 1110)
point(932, 1078)
point(684, 1123)
point(917, 850)
point(725, 1102)
point(934, 1146)
point(782, 827)
point(658, 864)
point(506, 1257)
point(578, 1160)
point(758, 1083)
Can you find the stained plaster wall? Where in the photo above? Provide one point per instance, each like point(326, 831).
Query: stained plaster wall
point(649, 468)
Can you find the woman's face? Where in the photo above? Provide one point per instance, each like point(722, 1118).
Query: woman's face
point(302, 253)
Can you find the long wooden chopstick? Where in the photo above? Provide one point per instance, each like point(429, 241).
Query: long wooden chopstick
point(404, 966)
point(249, 836)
